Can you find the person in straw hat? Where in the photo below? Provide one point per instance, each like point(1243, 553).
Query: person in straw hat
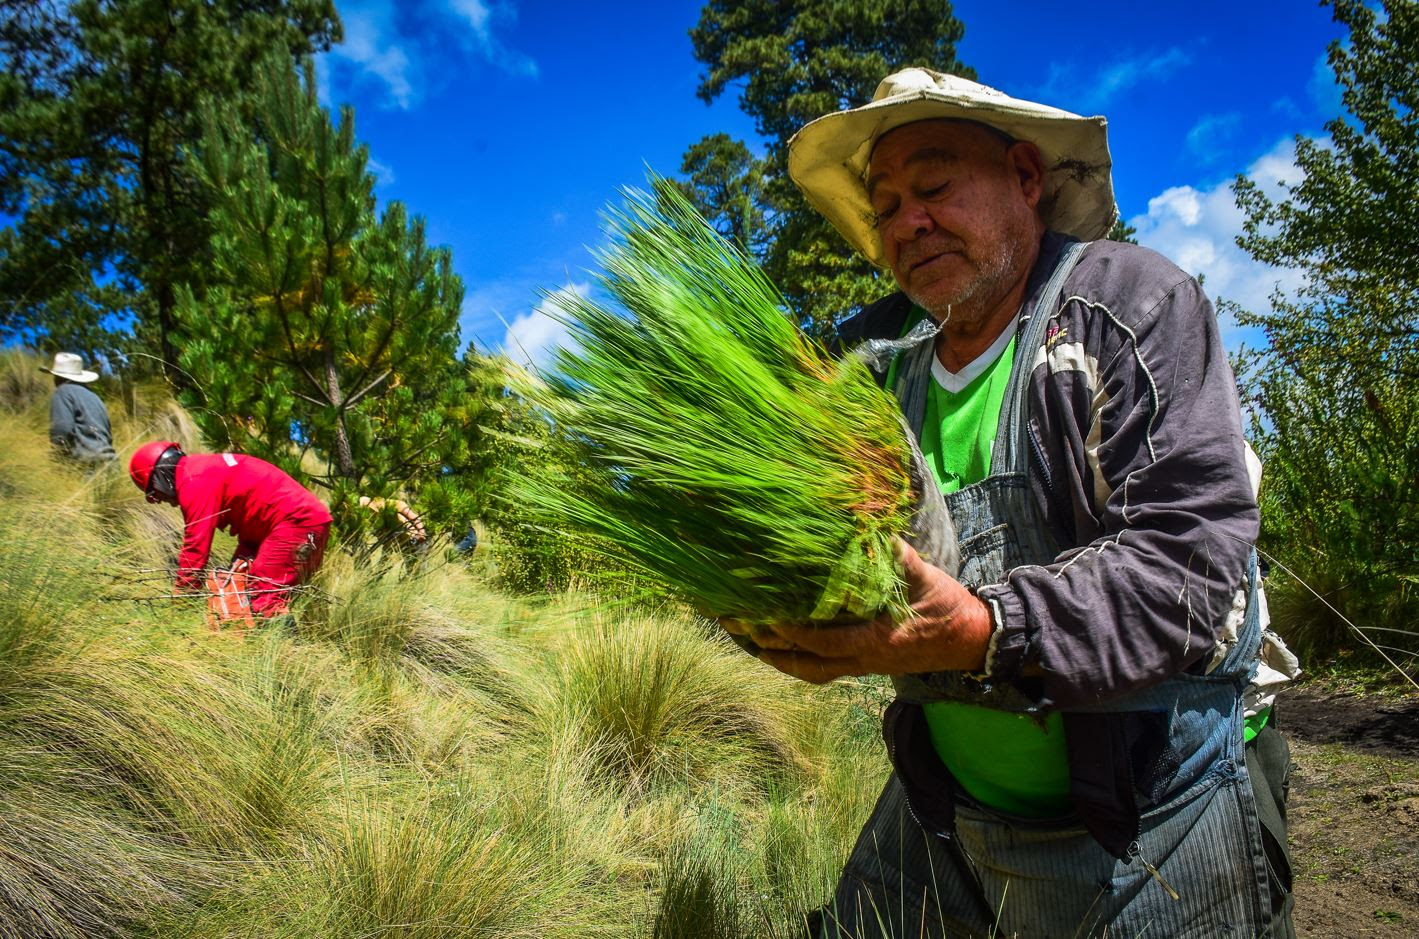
point(78, 421)
point(1075, 749)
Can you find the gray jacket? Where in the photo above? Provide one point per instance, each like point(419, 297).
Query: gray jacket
point(78, 424)
point(1137, 469)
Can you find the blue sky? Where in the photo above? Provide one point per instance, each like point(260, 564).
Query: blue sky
point(510, 125)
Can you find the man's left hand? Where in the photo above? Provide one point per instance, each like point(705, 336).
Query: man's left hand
point(948, 629)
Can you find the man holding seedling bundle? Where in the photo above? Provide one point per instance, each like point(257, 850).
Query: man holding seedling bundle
point(281, 528)
point(1073, 749)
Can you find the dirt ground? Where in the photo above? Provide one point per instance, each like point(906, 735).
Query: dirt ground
point(1353, 812)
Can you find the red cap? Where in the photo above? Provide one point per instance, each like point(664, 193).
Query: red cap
point(141, 466)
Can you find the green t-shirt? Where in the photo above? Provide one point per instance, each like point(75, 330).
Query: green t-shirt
point(1015, 763)
point(1254, 724)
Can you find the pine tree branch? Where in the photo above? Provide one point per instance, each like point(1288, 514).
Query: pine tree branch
point(291, 341)
point(401, 468)
point(308, 399)
point(354, 399)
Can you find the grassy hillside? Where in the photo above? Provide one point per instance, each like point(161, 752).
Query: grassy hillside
point(418, 755)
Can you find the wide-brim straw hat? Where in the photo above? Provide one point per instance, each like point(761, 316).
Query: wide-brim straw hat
point(828, 158)
point(69, 366)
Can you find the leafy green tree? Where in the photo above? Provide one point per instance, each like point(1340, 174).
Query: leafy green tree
point(1337, 387)
point(793, 62)
point(97, 99)
point(328, 330)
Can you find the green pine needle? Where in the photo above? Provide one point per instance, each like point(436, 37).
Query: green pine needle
point(724, 456)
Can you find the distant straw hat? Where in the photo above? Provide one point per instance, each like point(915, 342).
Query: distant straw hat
point(828, 158)
point(70, 366)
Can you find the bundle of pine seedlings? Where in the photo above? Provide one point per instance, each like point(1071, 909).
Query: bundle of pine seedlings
point(722, 456)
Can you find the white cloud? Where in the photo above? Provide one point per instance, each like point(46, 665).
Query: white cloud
point(1181, 202)
point(403, 45)
point(480, 20)
point(371, 43)
point(1324, 89)
point(1278, 168)
point(1069, 86)
point(1208, 137)
point(534, 337)
point(486, 306)
point(474, 13)
point(1197, 230)
point(383, 175)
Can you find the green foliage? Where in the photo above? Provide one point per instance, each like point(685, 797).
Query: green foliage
point(725, 183)
point(793, 63)
point(529, 558)
point(328, 330)
point(724, 456)
point(1337, 387)
point(97, 100)
point(1122, 231)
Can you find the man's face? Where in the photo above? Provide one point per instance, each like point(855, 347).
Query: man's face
point(956, 210)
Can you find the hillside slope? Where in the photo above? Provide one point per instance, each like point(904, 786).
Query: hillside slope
point(419, 755)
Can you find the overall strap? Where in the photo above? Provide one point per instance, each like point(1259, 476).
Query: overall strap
point(1010, 452)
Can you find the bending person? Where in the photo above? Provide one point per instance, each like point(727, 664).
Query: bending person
point(280, 526)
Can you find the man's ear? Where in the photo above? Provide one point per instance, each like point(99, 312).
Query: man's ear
point(1027, 165)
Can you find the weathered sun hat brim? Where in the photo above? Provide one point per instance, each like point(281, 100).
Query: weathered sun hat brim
point(828, 157)
point(71, 367)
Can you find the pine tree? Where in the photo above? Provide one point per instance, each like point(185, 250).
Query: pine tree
point(330, 330)
point(794, 62)
point(97, 99)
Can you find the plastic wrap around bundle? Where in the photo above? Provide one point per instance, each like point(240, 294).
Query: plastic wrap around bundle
point(932, 533)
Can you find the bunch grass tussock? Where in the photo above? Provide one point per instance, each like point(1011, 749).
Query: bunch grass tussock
point(659, 702)
point(73, 868)
point(437, 868)
point(442, 760)
point(430, 863)
point(189, 745)
point(45, 589)
point(23, 387)
point(725, 457)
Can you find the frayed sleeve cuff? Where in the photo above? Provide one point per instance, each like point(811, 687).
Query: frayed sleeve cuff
point(1005, 655)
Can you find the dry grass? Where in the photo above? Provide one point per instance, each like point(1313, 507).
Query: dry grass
point(418, 756)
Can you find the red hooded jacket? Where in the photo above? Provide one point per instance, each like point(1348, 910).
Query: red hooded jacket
point(244, 495)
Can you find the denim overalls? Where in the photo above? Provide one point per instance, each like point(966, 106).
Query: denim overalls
point(1165, 840)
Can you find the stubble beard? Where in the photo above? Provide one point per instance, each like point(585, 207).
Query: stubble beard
point(995, 273)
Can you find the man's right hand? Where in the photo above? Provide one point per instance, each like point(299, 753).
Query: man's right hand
point(947, 629)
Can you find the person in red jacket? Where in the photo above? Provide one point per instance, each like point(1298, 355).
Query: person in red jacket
point(281, 528)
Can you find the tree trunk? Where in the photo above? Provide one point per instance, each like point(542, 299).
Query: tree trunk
point(344, 458)
point(167, 326)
